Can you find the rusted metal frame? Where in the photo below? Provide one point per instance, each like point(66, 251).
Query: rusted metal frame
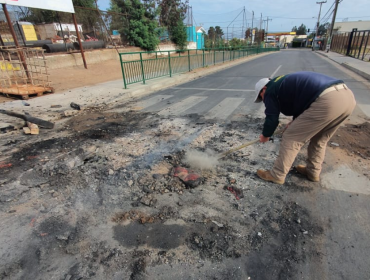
point(23, 59)
point(105, 26)
point(79, 40)
point(20, 32)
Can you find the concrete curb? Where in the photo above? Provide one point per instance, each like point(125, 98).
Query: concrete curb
point(348, 66)
point(357, 71)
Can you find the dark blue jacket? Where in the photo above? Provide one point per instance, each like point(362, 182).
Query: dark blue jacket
point(291, 95)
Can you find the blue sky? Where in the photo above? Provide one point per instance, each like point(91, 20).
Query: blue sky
point(283, 14)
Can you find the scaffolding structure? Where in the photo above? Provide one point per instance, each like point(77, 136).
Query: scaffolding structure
point(24, 72)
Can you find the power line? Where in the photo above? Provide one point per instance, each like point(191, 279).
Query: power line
point(221, 13)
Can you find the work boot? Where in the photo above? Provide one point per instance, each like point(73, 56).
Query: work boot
point(266, 175)
point(303, 170)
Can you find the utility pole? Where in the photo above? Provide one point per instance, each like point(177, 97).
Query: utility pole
point(252, 37)
point(318, 19)
point(332, 25)
point(243, 34)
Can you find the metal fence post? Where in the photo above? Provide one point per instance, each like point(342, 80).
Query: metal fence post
point(214, 57)
point(123, 72)
point(203, 58)
point(169, 63)
point(142, 67)
point(367, 38)
point(350, 41)
point(223, 55)
point(362, 41)
point(189, 60)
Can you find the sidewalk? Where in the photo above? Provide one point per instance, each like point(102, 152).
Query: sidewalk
point(358, 66)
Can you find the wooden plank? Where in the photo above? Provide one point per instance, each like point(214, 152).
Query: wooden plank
point(34, 129)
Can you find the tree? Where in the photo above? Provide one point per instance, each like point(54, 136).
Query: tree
point(248, 33)
point(211, 37)
point(179, 35)
point(302, 30)
point(172, 14)
point(235, 43)
point(171, 11)
point(141, 31)
point(219, 32)
point(323, 29)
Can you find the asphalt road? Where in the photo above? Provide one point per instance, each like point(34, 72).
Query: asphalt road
point(343, 206)
point(228, 93)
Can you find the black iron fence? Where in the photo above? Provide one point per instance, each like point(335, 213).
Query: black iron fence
point(355, 44)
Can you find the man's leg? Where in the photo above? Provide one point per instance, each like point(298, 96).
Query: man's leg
point(323, 113)
point(316, 148)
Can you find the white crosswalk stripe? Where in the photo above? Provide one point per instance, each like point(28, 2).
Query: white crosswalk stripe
point(234, 108)
point(180, 107)
point(151, 101)
point(224, 109)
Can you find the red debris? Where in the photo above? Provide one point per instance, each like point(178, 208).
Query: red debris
point(4, 165)
point(190, 179)
point(32, 223)
point(235, 191)
point(31, 157)
point(180, 172)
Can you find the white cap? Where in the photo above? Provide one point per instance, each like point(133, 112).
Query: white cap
point(259, 86)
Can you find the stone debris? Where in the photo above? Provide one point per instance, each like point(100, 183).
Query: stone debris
point(235, 191)
point(75, 106)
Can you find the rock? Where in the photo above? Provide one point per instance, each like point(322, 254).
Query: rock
point(146, 189)
point(298, 221)
point(218, 224)
point(69, 113)
point(75, 106)
point(148, 200)
point(111, 172)
point(259, 234)
point(334, 144)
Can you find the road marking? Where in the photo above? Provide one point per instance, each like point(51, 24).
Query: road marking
point(273, 74)
point(180, 107)
point(151, 101)
point(224, 109)
point(210, 89)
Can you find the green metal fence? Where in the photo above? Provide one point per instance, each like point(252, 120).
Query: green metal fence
point(142, 66)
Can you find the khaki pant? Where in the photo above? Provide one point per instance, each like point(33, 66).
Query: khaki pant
point(317, 124)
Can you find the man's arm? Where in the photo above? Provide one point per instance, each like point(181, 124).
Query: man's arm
point(270, 125)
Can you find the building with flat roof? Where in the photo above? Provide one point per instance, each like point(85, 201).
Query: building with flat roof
point(347, 26)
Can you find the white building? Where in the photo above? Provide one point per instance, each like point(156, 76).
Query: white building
point(347, 26)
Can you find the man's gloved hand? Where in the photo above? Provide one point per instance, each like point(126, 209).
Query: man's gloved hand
point(264, 139)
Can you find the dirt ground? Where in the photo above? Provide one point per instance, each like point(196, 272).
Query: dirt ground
point(73, 77)
point(99, 197)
